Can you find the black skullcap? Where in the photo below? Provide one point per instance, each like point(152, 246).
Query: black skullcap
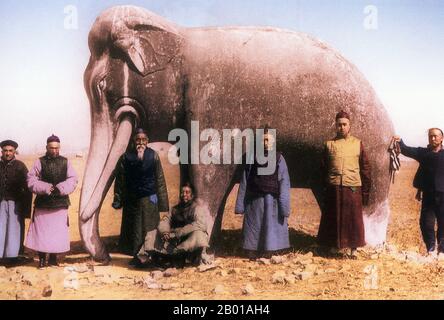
point(53, 138)
point(9, 143)
point(342, 115)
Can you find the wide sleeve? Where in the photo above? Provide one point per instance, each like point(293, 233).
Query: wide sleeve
point(162, 191)
point(25, 199)
point(284, 188)
point(69, 185)
point(410, 152)
point(35, 184)
point(200, 222)
point(120, 192)
point(365, 173)
point(240, 201)
point(165, 223)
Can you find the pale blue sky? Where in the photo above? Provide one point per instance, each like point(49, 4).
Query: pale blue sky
point(42, 63)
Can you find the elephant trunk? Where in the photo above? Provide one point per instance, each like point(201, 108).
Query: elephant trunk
point(105, 151)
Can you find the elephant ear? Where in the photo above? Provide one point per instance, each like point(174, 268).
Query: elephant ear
point(148, 48)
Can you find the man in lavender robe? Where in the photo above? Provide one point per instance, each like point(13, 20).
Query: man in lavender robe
point(52, 179)
point(265, 202)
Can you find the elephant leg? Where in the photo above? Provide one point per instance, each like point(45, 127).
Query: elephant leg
point(213, 184)
point(184, 174)
point(376, 220)
point(216, 240)
point(319, 194)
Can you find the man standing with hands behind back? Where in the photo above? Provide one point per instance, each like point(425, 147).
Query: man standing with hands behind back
point(52, 179)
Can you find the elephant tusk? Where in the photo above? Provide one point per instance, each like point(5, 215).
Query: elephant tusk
point(118, 147)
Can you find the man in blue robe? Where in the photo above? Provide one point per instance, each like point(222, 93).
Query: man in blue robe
point(265, 202)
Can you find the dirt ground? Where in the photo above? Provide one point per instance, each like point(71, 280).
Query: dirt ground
point(397, 271)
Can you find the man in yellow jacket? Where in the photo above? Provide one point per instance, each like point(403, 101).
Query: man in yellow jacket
point(348, 184)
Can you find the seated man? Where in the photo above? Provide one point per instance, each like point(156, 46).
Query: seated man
point(182, 234)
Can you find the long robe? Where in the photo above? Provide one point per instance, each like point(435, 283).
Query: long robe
point(188, 238)
point(15, 207)
point(265, 226)
point(342, 223)
point(139, 216)
point(49, 229)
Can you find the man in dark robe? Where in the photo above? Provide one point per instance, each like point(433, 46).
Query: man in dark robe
point(15, 203)
point(430, 180)
point(141, 190)
point(348, 183)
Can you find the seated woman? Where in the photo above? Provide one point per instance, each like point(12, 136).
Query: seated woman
point(182, 234)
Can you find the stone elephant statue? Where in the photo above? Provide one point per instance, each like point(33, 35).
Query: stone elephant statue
point(146, 71)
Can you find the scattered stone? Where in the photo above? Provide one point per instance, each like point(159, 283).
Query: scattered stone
point(157, 274)
point(251, 274)
point(278, 277)
point(206, 267)
point(374, 256)
point(81, 268)
point(153, 286)
point(303, 275)
point(278, 259)
point(166, 287)
point(306, 261)
point(188, 291)
point(290, 279)
point(319, 272)
point(28, 294)
point(416, 258)
point(47, 291)
point(219, 289)
point(264, 261)
point(308, 255)
point(330, 270)
point(310, 268)
point(234, 271)
point(71, 283)
point(391, 248)
point(146, 280)
point(27, 282)
point(222, 273)
point(170, 272)
point(248, 290)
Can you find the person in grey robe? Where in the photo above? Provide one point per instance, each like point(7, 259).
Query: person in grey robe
point(264, 200)
point(182, 234)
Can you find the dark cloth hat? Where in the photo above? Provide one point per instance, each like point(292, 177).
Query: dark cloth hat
point(342, 115)
point(53, 138)
point(9, 143)
point(140, 131)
